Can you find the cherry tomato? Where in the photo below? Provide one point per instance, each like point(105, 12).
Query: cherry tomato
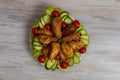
point(63, 64)
point(76, 23)
point(55, 13)
point(41, 58)
point(57, 57)
point(47, 26)
point(35, 31)
point(82, 50)
point(64, 24)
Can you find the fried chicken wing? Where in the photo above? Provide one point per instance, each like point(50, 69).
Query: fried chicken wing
point(45, 40)
point(62, 56)
point(55, 48)
point(46, 50)
point(69, 29)
point(73, 36)
point(45, 32)
point(76, 45)
point(67, 50)
point(56, 27)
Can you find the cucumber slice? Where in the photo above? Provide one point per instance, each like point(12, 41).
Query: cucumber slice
point(36, 44)
point(76, 59)
point(85, 41)
point(35, 25)
point(65, 13)
point(36, 55)
point(40, 52)
point(42, 21)
point(80, 28)
point(38, 47)
point(49, 64)
point(83, 31)
point(55, 65)
point(37, 52)
point(48, 12)
point(78, 54)
point(68, 20)
point(64, 17)
point(71, 62)
point(36, 39)
point(46, 19)
point(33, 51)
point(85, 36)
point(50, 9)
point(40, 24)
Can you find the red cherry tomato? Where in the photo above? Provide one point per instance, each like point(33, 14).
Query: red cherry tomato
point(76, 23)
point(82, 50)
point(47, 26)
point(57, 58)
point(63, 64)
point(41, 58)
point(55, 13)
point(35, 31)
point(64, 24)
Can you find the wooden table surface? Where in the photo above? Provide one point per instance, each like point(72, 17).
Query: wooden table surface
point(101, 19)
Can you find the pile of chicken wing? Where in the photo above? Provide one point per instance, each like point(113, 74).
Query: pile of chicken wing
point(58, 42)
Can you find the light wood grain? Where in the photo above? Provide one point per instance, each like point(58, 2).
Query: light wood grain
point(101, 19)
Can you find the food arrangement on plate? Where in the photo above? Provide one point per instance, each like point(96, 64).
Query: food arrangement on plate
point(57, 40)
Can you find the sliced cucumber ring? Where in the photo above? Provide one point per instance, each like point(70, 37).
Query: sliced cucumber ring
point(42, 21)
point(47, 19)
point(36, 39)
point(64, 17)
point(76, 59)
point(85, 41)
point(85, 36)
point(78, 54)
point(36, 55)
point(36, 44)
point(38, 47)
point(83, 31)
point(41, 25)
point(50, 9)
point(68, 20)
point(71, 62)
point(65, 13)
point(35, 25)
point(49, 64)
point(55, 65)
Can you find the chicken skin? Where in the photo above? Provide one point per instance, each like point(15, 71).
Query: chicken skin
point(56, 27)
point(55, 49)
point(45, 40)
point(76, 45)
point(62, 56)
point(45, 32)
point(69, 29)
point(46, 50)
point(67, 50)
point(73, 36)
